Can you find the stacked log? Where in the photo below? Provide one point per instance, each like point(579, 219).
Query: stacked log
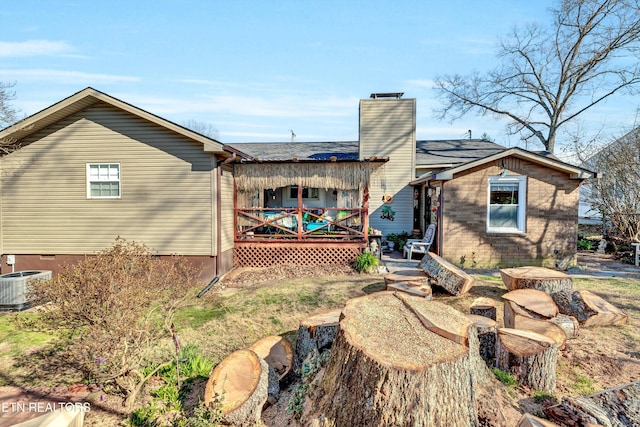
point(315, 334)
point(238, 387)
point(589, 309)
point(412, 369)
point(484, 307)
point(531, 357)
point(536, 304)
point(446, 275)
point(278, 353)
point(616, 406)
point(542, 279)
point(423, 291)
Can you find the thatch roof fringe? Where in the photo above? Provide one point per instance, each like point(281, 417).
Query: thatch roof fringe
point(344, 176)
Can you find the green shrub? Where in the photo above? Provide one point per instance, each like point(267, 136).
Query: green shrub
point(585, 245)
point(504, 377)
point(366, 262)
point(399, 240)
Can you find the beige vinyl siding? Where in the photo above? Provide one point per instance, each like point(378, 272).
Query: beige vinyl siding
point(227, 213)
point(165, 188)
point(387, 129)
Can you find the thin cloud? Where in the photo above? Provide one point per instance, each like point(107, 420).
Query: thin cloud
point(424, 83)
point(34, 48)
point(64, 77)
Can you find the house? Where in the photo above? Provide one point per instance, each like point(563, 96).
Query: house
point(493, 206)
point(91, 168)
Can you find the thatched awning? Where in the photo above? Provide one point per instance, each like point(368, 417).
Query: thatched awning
point(339, 175)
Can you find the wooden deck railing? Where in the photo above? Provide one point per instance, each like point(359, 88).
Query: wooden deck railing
point(301, 224)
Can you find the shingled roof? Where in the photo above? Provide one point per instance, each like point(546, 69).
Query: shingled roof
point(428, 152)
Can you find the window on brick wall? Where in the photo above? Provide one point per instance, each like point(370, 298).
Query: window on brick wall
point(507, 203)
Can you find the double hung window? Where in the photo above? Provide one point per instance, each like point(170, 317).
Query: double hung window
point(103, 180)
point(507, 201)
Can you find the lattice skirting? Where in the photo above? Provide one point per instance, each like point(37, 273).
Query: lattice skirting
point(268, 255)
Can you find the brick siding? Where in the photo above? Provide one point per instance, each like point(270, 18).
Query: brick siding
point(551, 218)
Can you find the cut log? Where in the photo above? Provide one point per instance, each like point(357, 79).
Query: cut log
point(316, 333)
point(531, 357)
point(277, 352)
point(515, 320)
point(569, 325)
point(484, 307)
point(446, 275)
point(538, 304)
point(403, 371)
point(589, 309)
point(616, 406)
point(423, 291)
point(238, 385)
point(542, 279)
point(486, 332)
point(529, 420)
point(413, 277)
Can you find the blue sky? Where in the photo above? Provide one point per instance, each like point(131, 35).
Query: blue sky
point(253, 70)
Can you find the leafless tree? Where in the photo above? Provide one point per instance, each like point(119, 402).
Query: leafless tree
point(615, 195)
point(549, 75)
point(7, 112)
point(202, 128)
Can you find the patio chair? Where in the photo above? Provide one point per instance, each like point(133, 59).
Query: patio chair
point(420, 246)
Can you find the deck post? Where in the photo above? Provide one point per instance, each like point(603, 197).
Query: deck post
point(365, 220)
point(299, 215)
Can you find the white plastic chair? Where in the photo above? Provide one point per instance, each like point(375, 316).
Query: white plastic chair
point(420, 246)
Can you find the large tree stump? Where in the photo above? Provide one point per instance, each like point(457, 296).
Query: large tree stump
point(277, 352)
point(239, 383)
point(316, 333)
point(531, 357)
point(485, 307)
point(618, 406)
point(529, 420)
point(589, 309)
point(514, 320)
point(398, 360)
point(486, 332)
point(446, 275)
point(535, 303)
point(542, 279)
point(423, 291)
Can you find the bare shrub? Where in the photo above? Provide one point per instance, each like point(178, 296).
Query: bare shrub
point(112, 309)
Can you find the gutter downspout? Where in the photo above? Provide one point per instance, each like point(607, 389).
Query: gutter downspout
point(218, 217)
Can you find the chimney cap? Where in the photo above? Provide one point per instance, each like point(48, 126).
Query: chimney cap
point(396, 95)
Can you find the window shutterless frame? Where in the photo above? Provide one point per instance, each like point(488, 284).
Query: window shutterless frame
point(507, 204)
point(103, 181)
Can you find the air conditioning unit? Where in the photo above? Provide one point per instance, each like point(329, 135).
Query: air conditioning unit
point(13, 288)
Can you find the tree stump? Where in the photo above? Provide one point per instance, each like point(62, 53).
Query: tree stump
point(616, 406)
point(569, 325)
point(277, 352)
point(486, 332)
point(446, 275)
point(423, 291)
point(533, 303)
point(485, 307)
point(542, 279)
point(316, 332)
point(239, 383)
point(589, 309)
point(529, 420)
point(398, 360)
point(531, 357)
point(515, 320)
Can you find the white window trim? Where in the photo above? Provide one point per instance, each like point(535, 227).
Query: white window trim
point(521, 180)
point(89, 181)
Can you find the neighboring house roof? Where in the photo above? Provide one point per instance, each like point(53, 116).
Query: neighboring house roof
point(84, 99)
point(438, 153)
point(283, 151)
point(574, 172)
